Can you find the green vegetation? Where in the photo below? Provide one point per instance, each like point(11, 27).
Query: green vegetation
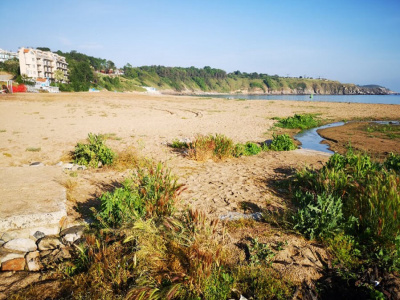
point(298, 122)
point(247, 149)
point(33, 149)
point(219, 147)
point(93, 153)
point(282, 142)
point(139, 248)
point(352, 204)
point(389, 131)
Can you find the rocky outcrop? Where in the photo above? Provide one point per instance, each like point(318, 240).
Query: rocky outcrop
point(322, 88)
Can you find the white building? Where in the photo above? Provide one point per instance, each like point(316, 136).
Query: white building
point(6, 55)
point(36, 63)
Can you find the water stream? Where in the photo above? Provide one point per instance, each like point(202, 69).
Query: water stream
point(311, 140)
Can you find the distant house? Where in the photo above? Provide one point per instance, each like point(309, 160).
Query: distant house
point(119, 72)
point(36, 63)
point(6, 55)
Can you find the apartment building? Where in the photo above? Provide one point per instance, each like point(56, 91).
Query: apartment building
point(36, 63)
point(6, 55)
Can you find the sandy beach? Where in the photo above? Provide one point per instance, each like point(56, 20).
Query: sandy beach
point(45, 127)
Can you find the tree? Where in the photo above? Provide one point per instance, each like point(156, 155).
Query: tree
point(81, 75)
point(43, 48)
point(59, 76)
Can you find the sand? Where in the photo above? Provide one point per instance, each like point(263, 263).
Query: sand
point(45, 127)
point(52, 124)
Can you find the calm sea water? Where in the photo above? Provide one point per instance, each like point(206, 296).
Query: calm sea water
point(381, 99)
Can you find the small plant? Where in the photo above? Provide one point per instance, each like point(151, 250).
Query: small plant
point(318, 216)
point(260, 253)
point(151, 192)
point(34, 149)
point(93, 153)
point(247, 149)
point(392, 162)
point(282, 142)
point(302, 122)
point(177, 144)
point(205, 147)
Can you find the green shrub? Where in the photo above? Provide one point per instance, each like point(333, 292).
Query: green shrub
point(93, 152)
point(252, 149)
point(177, 144)
point(370, 197)
point(150, 193)
point(302, 122)
point(392, 162)
point(282, 142)
point(247, 149)
point(318, 216)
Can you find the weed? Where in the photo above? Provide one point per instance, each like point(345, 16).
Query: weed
point(151, 192)
point(177, 144)
point(2, 130)
point(33, 149)
point(127, 159)
point(318, 215)
point(247, 149)
point(93, 153)
point(302, 122)
point(257, 283)
point(260, 253)
point(211, 146)
point(7, 154)
point(357, 197)
point(392, 162)
point(282, 142)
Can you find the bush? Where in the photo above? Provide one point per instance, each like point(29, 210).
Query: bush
point(93, 153)
point(177, 144)
point(247, 149)
point(282, 142)
point(370, 197)
point(392, 162)
point(298, 122)
point(150, 193)
point(318, 216)
point(209, 146)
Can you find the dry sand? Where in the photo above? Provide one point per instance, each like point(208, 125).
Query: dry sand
point(54, 123)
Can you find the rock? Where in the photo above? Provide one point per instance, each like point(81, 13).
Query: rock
point(36, 164)
point(38, 235)
point(16, 264)
point(33, 261)
point(45, 253)
point(59, 164)
point(48, 243)
point(24, 245)
point(6, 237)
point(72, 234)
point(8, 255)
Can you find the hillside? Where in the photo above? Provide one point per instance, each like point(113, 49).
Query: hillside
point(192, 80)
point(84, 73)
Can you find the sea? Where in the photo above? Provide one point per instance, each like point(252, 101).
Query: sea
point(376, 99)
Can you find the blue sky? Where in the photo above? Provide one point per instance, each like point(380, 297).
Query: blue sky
point(350, 41)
